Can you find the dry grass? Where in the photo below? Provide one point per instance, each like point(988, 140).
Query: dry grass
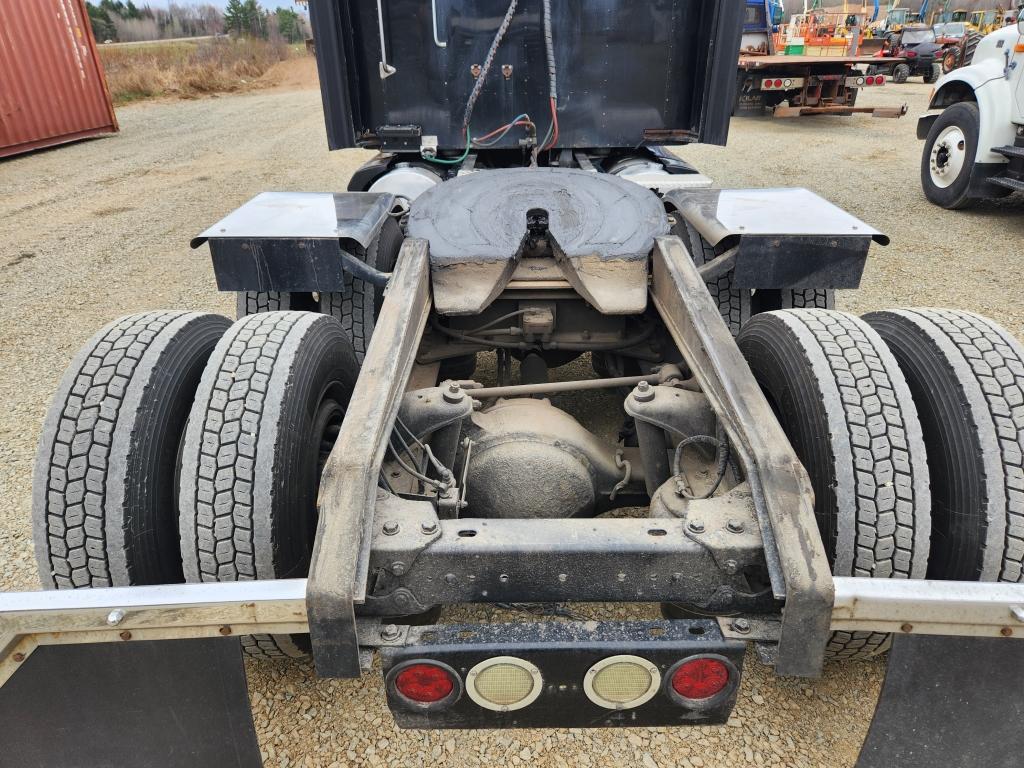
point(186, 69)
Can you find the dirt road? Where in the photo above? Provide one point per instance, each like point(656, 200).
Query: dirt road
point(101, 228)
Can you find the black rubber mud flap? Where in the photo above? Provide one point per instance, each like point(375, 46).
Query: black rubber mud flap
point(949, 702)
point(145, 704)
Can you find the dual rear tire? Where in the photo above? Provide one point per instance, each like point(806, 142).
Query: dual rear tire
point(845, 406)
point(921, 474)
point(180, 447)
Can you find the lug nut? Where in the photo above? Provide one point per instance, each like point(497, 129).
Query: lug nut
point(429, 528)
point(390, 528)
point(398, 568)
point(644, 392)
point(735, 526)
point(741, 625)
point(389, 632)
point(453, 393)
point(696, 526)
point(115, 617)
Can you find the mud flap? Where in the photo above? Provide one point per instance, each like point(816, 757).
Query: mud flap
point(144, 704)
point(949, 701)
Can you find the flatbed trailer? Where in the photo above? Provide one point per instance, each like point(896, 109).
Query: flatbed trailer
point(796, 85)
point(791, 86)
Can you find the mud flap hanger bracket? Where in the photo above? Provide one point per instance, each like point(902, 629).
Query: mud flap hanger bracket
point(780, 238)
point(297, 241)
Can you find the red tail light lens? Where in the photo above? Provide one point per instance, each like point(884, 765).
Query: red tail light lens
point(424, 683)
point(700, 678)
point(870, 79)
point(879, 80)
point(778, 83)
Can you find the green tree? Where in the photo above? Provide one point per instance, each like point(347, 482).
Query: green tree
point(102, 27)
point(257, 18)
point(289, 25)
point(245, 17)
point(235, 17)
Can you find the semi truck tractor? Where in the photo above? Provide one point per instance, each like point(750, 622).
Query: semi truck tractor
point(382, 432)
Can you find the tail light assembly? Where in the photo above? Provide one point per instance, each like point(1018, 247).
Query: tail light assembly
point(781, 83)
point(862, 81)
point(504, 683)
point(574, 674)
point(425, 684)
point(700, 681)
point(622, 682)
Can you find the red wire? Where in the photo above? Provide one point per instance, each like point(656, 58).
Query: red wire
point(499, 130)
point(554, 122)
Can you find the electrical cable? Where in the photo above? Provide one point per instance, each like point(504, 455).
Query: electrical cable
point(721, 445)
point(500, 133)
point(454, 161)
point(501, 319)
point(445, 473)
point(551, 138)
point(486, 67)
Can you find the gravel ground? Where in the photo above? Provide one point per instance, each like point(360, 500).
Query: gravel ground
point(101, 228)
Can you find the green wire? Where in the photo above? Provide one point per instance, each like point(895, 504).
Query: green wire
point(458, 159)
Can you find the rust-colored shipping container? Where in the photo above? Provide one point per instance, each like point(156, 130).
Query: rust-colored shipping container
point(52, 88)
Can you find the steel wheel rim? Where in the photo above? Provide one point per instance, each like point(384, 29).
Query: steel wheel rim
point(948, 156)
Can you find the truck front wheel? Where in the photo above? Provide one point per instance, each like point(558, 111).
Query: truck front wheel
point(948, 158)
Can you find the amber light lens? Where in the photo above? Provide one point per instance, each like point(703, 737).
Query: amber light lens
point(700, 678)
point(424, 683)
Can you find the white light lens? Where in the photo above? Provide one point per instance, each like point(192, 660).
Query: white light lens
point(621, 682)
point(504, 683)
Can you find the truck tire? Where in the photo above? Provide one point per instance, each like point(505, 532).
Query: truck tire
point(357, 306)
point(267, 411)
point(104, 507)
point(738, 305)
point(254, 302)
point(733, 303)
point(900, 73)
point(846, 408)
point(947, 161)
point(970, 46)
point(808, 298)
point(950, 60)
point(966, 375)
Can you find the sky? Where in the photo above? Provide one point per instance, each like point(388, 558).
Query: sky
point(269, 4)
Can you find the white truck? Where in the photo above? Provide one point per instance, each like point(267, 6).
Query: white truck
point(974, 147)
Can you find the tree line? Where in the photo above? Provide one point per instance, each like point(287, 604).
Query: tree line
point(124, 21)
